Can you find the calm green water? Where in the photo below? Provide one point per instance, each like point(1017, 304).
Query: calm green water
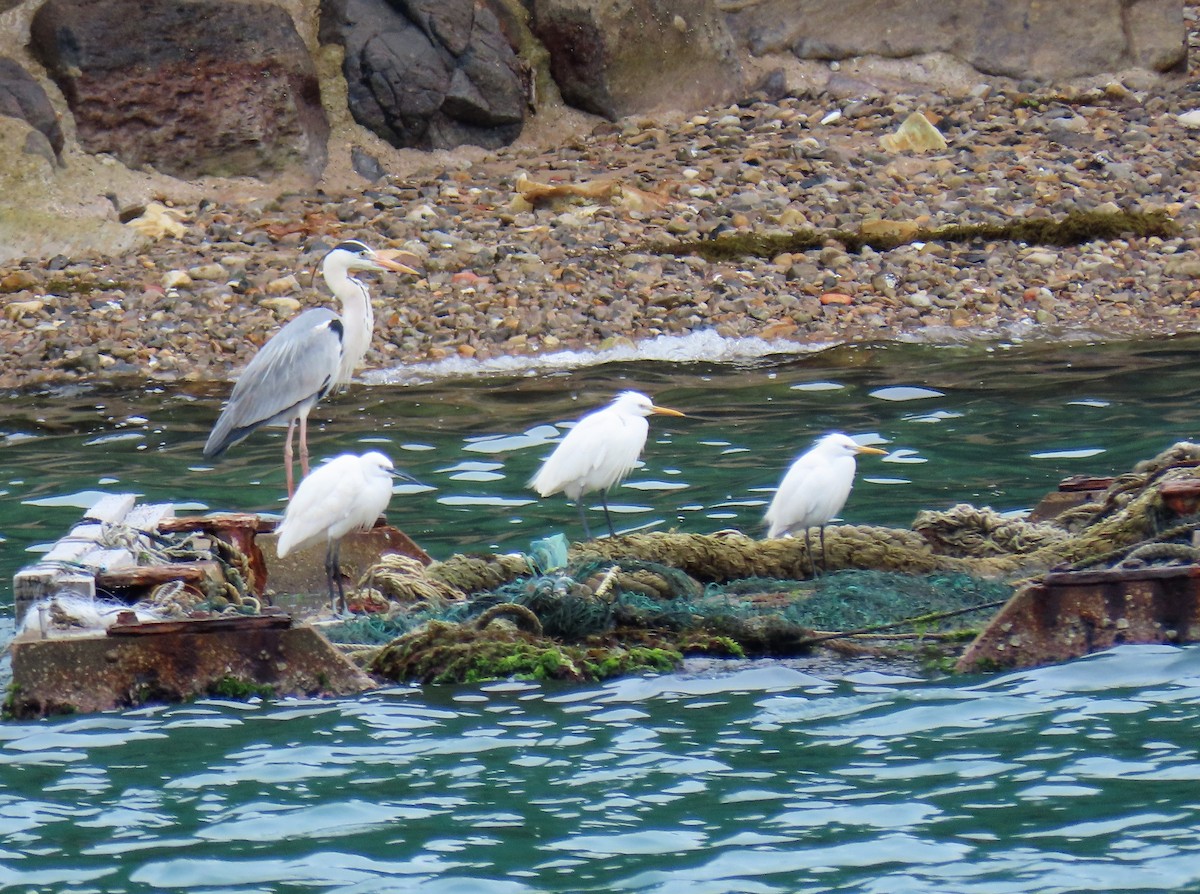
point(756, 779)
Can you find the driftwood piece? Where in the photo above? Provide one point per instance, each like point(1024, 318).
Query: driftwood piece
point(199, 625)
point(219, 521)
point(145, 576)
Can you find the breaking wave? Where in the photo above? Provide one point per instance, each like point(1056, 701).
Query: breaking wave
point(705, 346)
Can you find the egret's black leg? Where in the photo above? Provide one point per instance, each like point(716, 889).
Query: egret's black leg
point(337, 596)
point(812, 560)
point(329, 577)
point(337, 576)
point(607, 517)
point(587, 534)
point(824, 560)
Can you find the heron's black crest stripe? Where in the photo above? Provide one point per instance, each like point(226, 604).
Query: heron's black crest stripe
point(353, 246)
point(338, 329)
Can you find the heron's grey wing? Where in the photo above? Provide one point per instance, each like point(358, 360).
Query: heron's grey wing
point(291, 372)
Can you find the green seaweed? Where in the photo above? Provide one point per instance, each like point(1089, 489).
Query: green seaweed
point(8, 710)
point(704, 643)
point(236, 688)
point(1073, 228)
point(442, 652)
point(69, 285)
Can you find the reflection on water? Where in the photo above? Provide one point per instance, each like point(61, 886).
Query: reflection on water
point(760, 779)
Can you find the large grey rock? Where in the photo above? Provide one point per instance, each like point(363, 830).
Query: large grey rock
point(23, 97)
point(191, 88)
point(623, 57)
point(427, 74)
point(1046, 40)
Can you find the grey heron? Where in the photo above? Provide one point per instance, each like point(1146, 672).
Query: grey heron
point(600, 450)
point(314, 353)
point(815, 489)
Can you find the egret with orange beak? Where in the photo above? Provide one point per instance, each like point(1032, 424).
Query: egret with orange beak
point(601, 449)
point(815, 489)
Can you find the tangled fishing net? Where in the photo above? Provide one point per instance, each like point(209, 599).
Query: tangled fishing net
point(645, 600)
point(221, 587)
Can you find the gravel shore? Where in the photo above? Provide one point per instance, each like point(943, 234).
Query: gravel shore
point(504, 275)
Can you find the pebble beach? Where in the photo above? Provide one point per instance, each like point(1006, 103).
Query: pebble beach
point(534, 250)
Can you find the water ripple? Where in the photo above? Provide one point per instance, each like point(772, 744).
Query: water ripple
point(762, 778)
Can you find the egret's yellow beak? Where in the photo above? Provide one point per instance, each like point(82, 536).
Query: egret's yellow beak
point(664, 411)
point(874, 450)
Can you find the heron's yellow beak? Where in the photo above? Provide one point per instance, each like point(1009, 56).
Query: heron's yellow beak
point(874, 450)
point(664, 411)
point(390, 258)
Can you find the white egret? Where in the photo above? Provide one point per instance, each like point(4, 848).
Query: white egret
point(599, 451)
point(815, 489)
point(346, 494)
point(305, 360)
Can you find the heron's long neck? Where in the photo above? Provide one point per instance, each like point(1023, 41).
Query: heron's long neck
point(358, 320)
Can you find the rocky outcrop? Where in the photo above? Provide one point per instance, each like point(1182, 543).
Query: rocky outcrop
point(215, 87)
point(1042, 40)
point(23, 97)
point(428, 74)
point(190, 88)
point(623, 57)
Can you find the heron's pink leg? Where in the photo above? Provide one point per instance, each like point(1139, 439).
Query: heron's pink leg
point(287, 458)
point(304, 444)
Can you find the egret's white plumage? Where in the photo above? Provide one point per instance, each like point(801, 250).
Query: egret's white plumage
point(346, 494)
point(314, 353)
point(600, 450)
point(816, 487)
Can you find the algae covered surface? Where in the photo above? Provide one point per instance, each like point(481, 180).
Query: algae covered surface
point(584, 623)
point(1072, 228)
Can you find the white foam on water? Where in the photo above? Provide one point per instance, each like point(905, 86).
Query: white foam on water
point(1081, 453)
point(905, 392)
point(705, 346)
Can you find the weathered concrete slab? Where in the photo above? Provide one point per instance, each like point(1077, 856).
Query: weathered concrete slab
point(195, 659)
